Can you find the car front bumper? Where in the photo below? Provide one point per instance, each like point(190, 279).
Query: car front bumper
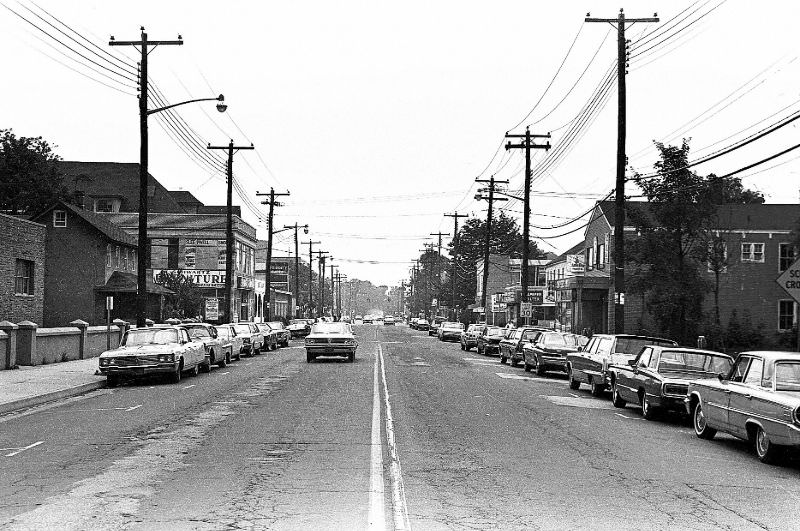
point(330, 350)
point(139, 370)
point(554, 362)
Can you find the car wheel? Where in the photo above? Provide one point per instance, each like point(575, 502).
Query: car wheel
point(766, 451)
point(596, 388)
point(239, 355)
point(512, 361)
point(175, 377)
point(462, 346)
point(701, 427)
point(309, 357)
point(194, 371)
point(573, 383)
point(648, 410)
point(539, 367)
point(526, 366)
point(112, 380)
point(206, 367)
point(502, 359)
point(224, 361)
point(615, 398)
point(351, 357)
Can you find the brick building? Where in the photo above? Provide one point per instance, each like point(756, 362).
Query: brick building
point(22, 270)
point(86, 260)
point(504, 289)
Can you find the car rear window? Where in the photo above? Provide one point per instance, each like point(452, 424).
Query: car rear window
point(787, 376)
point(330, 328)
point(554, 340)
point(632, 345)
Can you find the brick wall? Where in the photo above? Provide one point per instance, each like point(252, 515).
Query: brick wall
point(21, 240)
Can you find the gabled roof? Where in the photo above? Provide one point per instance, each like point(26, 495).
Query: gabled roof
point(169, 220)
point(102, 225)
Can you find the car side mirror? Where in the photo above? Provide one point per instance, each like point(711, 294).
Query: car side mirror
point(721, 377)
point(580, 348)
point(632, 363)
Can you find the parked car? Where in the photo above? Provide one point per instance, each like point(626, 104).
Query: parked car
point(450, 330)
point(549, 351)
point(270, 337)
point(469, 338)
point(422, 324)
point(281, 332)
point(207, 335)
point(511, 344)
point(154, 350)
point(231, 342)
point(389, 320)
point(489, 340)
point(331, 339)
point(300, 327)
point(433, 329)
point(368, 319)
point(252, 337)
point(590, 364)
point(658, 378)
point(758, 401)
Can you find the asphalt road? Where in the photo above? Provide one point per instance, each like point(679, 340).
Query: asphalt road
point(416, 434)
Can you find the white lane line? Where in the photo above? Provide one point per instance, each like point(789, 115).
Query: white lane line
point(189, 386)
point(134, 407)
point(399, 508)
point(377, 519)
point(627, 417)
point(20, 450)
point(226, 372)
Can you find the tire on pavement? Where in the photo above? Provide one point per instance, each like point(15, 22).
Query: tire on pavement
point(616, 400)
point(701, 427)
point(573, 383)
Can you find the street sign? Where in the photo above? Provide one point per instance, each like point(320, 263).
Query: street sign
point(212, 309)
point(789, 280)
point(525, 309)
point(109, 302)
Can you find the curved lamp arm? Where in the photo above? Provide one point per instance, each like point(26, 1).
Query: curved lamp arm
point(159, 109)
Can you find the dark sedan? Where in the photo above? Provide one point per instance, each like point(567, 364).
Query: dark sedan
point(489, 340)
point(511, 345)
point(549, 351)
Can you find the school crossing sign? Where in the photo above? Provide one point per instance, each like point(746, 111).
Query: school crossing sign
point(790, 280)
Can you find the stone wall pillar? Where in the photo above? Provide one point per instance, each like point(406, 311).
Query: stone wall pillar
point(8, 357)
point(123, 327)
point(26, 343)
point(82, 326)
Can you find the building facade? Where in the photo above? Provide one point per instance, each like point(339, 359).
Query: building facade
point(22, 260)
point(504, 291)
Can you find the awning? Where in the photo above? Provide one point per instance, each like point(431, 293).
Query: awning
point(120, 282)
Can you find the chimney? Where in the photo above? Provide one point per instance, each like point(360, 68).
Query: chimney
point(79, 198)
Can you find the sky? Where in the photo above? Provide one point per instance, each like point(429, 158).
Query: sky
point(377, 116)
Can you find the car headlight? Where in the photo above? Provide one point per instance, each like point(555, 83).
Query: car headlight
point(166, 358)
point(104, 362)
point(246, 340)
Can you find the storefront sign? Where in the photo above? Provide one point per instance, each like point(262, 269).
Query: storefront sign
point(576, 263)
point(202, 278)
point(536, 297)
point(245, 282)
point(212, 309)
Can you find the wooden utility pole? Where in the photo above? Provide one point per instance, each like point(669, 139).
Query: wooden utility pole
point(438, 283)
point(310, 272)
point(455, 216)
point(296, 313)
point(426, 298)
point(619, 203)
point(142, 250)
point(231, 149)
point(527, 145)
point(321, 260)
point(270, 232)
point(487, 240)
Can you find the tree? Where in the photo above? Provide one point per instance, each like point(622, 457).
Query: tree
point(679, 240)
point(29, 179)
point(187, 300)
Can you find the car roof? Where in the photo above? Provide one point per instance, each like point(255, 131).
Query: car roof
point(661, 348)
point(773, 355)
point(634, 336)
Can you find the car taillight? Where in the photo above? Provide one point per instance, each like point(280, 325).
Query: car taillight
point(796, 415)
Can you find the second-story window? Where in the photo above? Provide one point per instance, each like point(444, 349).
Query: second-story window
point(786, 256)
point(125, 259)
point(59, 218)
point(753, 252)
point(108, 255)
point(172, 253)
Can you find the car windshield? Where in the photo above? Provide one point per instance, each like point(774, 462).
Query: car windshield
point(275, 325)
point(632, 345)
point(241, 329)
point(576, 340)
point(679, 360)
point(787, 376)
point(150, 337)
point(554, 340)
point(495, 332)
point(223, 332)
point(330, 328)
point(298, 322)
point(457, 326)
point(197, 331)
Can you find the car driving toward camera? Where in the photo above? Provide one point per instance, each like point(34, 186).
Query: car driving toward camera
point(331, 339)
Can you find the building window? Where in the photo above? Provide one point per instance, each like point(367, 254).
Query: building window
point(172, 253)
point(23, 278)
point(134, 261)
point(104, 205)
point(125, 259)
point(786, 256)
point(601, 256)
point(785, 314)
point(59, 218)
point(108, 255)
point(117, 259)
point(753, 252)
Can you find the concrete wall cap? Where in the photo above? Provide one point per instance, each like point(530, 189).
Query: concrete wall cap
point(79, 323)
point(119, 322)
point(27, 325)
point(7, 325)
point(58, 331)
point(3, 335)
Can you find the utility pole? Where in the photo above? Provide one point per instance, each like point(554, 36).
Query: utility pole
point(297, 266)
point(438, 284)
point(270, 231)
point(619, 202)
point(426, 298)
point(310, 273)
point(526, 217)
point(455, 216)
point(141, 262)
point(333, 290)
point(231, 149)
point(321, 261)
point(487, 240)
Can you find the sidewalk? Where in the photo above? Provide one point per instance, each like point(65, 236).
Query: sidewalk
point(31, 386)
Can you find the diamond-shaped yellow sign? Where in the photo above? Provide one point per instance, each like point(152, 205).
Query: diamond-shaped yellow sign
point(789, 280)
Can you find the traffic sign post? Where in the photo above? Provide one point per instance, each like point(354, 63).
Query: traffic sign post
point(789, 280)
point(525, 309)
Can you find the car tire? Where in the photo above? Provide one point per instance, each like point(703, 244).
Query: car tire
point(462, 346)
point(766, 451)
point(239, 355)
point(596, 389)
point(206, 367)
point(527, 367)
point(616, 400)
point(194, 371)
point(539, 367)
point(112, 381)
point(309, 357)
point(701, 427)
point(649, 411)
point(224, 361)
point(351, 357)
point(502, 359)
point(175, 377)
point(512, 361)
point(573, 383)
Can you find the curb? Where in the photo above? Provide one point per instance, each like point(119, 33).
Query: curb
point(37, 400)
